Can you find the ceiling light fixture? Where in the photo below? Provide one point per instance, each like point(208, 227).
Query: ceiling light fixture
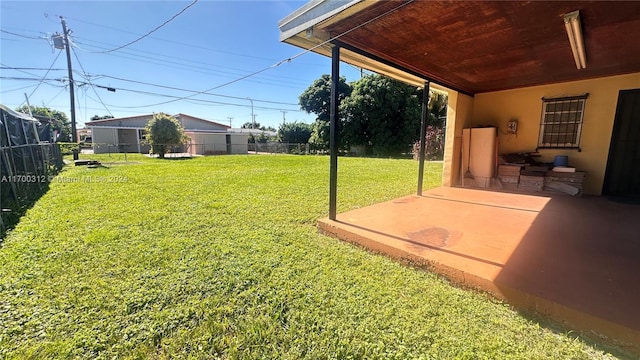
point(574, 31)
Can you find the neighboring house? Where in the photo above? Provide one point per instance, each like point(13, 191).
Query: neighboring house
point(127, 134)
point(84, 135)
point(504, 61)
point(255, 132)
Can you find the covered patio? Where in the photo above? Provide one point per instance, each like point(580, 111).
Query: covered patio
point(573, 260)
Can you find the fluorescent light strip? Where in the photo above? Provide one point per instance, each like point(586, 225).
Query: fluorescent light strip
point(574, 31)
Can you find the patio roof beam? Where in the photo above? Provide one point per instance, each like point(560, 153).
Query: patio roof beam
point(333, 131)
point(423, 135)
point(398, 67)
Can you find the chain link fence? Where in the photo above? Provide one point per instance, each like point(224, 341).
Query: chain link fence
point(279, 148)
point(185, 149)
point(25, 173)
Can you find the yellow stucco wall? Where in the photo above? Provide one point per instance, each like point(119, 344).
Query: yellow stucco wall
point(525, 105)
point(459, 114)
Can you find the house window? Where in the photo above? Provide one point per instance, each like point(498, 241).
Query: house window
point(561, 122)
point(142, 134)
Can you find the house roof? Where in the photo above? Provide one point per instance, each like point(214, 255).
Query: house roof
point(474, 46)
point(106, 121)
point(181, 115)
point(149, 116)
point(253, 131)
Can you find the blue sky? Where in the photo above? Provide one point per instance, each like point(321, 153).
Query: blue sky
point(210, 44)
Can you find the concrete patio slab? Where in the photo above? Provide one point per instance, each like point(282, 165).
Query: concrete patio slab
point(573, 260)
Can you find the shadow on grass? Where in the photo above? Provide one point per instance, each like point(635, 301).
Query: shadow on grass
point(543, 321)
point(590, 339)
point(172, 156)
point(175, 158)
point(12, 210)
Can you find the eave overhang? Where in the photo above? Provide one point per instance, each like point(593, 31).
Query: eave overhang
point(470, 47)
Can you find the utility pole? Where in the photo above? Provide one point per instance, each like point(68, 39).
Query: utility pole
point(74, 134)
point(28, 105)
point(253, 117)
point(283, 118)
point(230, 118)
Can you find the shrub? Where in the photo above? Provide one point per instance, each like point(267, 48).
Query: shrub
point(164, 132)
point(67, 148)
point(434, 144)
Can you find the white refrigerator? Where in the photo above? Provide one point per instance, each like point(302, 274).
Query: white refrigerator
point(479, 153)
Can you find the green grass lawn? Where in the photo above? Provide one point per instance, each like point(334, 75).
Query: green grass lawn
point(219, 257)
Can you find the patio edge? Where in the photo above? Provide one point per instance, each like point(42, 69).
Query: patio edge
point(590, 327)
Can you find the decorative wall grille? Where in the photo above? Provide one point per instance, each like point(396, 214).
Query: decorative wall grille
point(561, 122)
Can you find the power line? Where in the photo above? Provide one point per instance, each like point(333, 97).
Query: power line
point(45, 75)
point(32, 74)
point(155, 29)
point(176, 98)
point(42, 79)
point(288, 60)
point(89, 80)
point(181, 64)
point(55, 97)
point(29, 68)
point(16, 89)
point(193, 91)
point(218, 86)
point(31, 79)
point(15, 105)
point(174, 42)
point(191, 68)
point(22, 36)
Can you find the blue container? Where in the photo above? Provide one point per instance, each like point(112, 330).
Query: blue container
point(561, 160)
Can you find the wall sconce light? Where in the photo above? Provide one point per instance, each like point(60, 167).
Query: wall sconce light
point(574, 31)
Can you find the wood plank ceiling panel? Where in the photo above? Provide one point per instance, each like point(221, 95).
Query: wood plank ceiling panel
point(487, 46)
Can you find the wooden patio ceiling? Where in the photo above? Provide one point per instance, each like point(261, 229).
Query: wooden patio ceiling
point(494, 45)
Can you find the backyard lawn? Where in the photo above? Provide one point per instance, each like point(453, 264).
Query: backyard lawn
point(219, 257)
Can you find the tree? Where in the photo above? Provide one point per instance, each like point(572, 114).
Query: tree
point(319, 139)
point(381, 113)
point(294, 132)
point(435, 134)
point(164, 131)
point(249, 125)
point(434, 144)
point(261, 138)
point(59, 120)
point(437, 108)
point(375, 111)
point(98, 117)
point(317, 98)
